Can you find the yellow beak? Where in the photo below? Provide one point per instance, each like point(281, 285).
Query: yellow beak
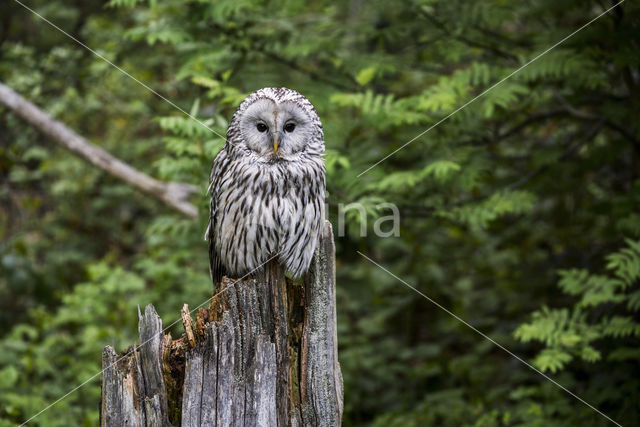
point(275, 145)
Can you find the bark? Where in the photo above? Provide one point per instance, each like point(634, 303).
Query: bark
point(264, 353)
point(321, 382)
point(133, 387)
point(173, 194)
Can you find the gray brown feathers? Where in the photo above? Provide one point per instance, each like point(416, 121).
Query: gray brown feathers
point(267, 186)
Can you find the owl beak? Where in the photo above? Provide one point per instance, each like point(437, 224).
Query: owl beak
point(275, 145)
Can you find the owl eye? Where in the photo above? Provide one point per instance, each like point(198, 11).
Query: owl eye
point(289, 127)
point(261, 127)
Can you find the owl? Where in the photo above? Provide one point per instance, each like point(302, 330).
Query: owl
point(267, 186)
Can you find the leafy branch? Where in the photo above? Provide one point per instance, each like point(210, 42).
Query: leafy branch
point(607, 309)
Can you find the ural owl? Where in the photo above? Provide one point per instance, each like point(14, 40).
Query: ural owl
point(267, 186)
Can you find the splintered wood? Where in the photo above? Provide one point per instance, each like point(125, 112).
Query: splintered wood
point(264, 353)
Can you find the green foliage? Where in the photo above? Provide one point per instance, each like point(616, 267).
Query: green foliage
point(499, 204)
point(62, 345)
point(538, 175)
point(603, 311)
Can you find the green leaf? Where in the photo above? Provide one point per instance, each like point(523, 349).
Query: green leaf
point(8, 377)
point(365, 75)
point(441, 170)
point(552, 359)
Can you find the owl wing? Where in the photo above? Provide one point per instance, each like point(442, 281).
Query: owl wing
point(216, 269)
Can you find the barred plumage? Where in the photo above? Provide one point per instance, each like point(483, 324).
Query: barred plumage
point(267, 186)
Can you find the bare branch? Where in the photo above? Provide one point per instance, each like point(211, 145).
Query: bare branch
point(173, 194)
point(582, 115)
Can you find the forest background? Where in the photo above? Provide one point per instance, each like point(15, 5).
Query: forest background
point(519, 213)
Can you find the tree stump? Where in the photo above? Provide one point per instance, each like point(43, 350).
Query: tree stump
point(264, 353)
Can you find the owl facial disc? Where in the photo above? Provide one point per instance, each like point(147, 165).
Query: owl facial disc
point(278, 128)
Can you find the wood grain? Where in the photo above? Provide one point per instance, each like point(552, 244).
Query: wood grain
point(264, 354)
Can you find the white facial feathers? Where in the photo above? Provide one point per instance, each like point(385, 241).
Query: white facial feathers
point(276, 129)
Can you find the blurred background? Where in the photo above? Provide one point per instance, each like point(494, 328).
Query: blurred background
point(520, 213)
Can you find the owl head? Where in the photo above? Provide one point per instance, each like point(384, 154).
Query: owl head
point(276, 124)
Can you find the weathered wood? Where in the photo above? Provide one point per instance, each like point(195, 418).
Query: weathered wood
point(151, 351)
point(187, 323)
point(321, 383)
point(275, 284)
point(119, 405)
point(265, 353)
point(133, 389)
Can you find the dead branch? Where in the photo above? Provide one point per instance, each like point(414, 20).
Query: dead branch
point(173, 194)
